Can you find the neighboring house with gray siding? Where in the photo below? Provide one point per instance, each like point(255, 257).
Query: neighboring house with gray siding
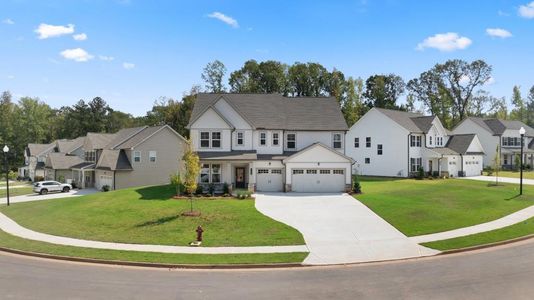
point(35, 159)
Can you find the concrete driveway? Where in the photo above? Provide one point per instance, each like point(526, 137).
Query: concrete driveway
point(37, 197)
point(339, 229)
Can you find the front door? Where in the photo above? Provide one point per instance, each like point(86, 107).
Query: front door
point(430, 167)
point(240, 178)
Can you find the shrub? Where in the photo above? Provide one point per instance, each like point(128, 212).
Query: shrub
point(61, 179)
point(176, 181)
point(488, 170)
point(420, 173)
point(517, 162)
point(226, 189)
point(243, 194)
point(356, 186)
point(105, 188)
point(199, 190)
point(211, 189)
point(38, 178)
point(435, 174)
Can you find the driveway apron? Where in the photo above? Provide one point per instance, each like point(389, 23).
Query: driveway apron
point(339, 229)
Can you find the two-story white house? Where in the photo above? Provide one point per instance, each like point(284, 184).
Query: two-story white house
point(34, 160)
point(396, 143)
point(502, 135)
point(270, 143)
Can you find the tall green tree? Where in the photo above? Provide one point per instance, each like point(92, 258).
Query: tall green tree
point(383, 91)
point(213, 75)
point(530, 107)
point(7, 111)
point(519, 111)
point(352, 106)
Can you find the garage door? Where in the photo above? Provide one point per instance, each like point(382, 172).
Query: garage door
point(472, 167)
point(105, 180)
point(269, 180)
point(318, 180)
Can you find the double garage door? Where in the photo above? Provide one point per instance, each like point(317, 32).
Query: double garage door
point(104, 180)
point(318, 180)
point(269, 180)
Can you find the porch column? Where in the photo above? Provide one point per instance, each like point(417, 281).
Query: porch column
point(228, 175)
point(83, 179)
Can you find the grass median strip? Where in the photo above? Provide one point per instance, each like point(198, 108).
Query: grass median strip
point(13, 242)
point(16, 191)
point(507, 233)
point(418, 207)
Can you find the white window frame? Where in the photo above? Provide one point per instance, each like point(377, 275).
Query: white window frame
point(275, 139)
point(242, 138)
point(338, 171)
point(297, 171)
point(367, 160)
point(137, 154)
point(204, 139)
point(379, 149)
point(340, 135)
point(213, 139)
point(152, 154)
point(356, 142)
point(215, 173)
point(294, 134)
point(368, 142)
point(415, 164)
point(264, 139)
point(210, 173)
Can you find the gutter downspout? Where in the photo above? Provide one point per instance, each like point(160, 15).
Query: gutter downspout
point(408, 169)
point(462, 161)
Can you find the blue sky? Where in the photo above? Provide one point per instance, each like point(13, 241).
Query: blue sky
point(136, 51)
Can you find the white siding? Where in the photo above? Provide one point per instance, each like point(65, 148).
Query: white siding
point(488, 141)
point(382, 130)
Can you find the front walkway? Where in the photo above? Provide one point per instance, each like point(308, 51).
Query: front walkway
point(339, 229)
point(501, 179)
point(37, 197)
point(511, 219)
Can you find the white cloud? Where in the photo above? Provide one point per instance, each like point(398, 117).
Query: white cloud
point(503, 13)
point(106, 58)
point(10, 77)
point(224, 18)
point(527, 11)
point(128, 66)
point(77, 54)
point(80, 37)
point(47, 31)
point(449, 41)
point(8, 21)
point(498, 32)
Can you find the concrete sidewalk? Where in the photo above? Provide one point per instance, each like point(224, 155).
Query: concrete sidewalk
point(508, 220)
point(11, 227)
point(339, 229)
point(501, 179)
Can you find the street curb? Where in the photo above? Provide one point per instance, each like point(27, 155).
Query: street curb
point(151, 265)
point(485, 246)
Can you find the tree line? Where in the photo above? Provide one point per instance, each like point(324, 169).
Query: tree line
point(451, 90)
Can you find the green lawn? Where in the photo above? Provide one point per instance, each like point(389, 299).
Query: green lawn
point(16, 191)
point(418, 207)
point(16, 183)
point(149, 216)
point(503, 234)
point(12, 242)
point(512, 174)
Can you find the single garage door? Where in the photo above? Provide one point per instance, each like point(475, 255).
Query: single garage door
point(318, 180)
point(105, 180)
point(269, 180)
point(472, 167)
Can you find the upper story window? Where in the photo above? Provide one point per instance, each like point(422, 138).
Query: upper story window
point(368, 142)
point(216, 139)
point(240, 138)
point(379, 149)
point(152, 155)
point(511, 141)
point(291, 141)
point(415, 141)
point(367, 160)
point(204, 139)
point(430, 140)
point(337, 142)
point(356, 142)
point(90, 156)
point(263, 138)
point(276, 138)
point(137, 156)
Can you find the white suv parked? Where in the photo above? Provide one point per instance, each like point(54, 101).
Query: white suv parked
point(43, 187)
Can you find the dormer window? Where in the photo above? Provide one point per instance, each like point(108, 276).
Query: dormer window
point(205, 139)
point(90, 156)
point(240, 138)
point(216, 139)
point(430, 140)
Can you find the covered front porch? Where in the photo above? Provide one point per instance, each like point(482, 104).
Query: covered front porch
point(511, 157)
point(83, 175)
point(442, 162)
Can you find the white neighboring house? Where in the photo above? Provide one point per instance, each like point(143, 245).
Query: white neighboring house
point(395, 143)
point(34, 160)
point(503, 133)
point(270, 143)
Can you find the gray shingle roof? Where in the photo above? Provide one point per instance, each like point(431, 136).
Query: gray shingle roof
point(274, 111)
point(67, 146)
point(498, 126)
point(412, 122)
point(113, 160)
point(232, 155)
point(122, 135)
point(139, 137)
point(460, 142)
point(60, 161)
point(37, 149)
point(98, 140)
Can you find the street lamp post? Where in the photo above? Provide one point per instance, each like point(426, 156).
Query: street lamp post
point(6, 150)
point(522, 133)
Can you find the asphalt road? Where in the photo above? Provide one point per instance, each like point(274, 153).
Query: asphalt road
point(501, 273)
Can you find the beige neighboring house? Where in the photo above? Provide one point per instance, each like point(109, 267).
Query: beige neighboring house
point(83, 173)
point(140, 156)
point(66, 154)
point(34, 160)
